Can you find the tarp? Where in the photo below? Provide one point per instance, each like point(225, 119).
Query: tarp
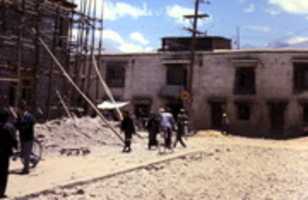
point(107, 105)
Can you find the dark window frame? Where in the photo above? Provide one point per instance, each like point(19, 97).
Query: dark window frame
point(243, 111)
point(305, 112)
point(176, 75)
point(245, 81)
point(116, 74)
point(300, 77)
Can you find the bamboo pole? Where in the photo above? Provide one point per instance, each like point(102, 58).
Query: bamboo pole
point(92, 43)
point(37, 55)
point(105, 86)
point(70, 115)
point(67, 76)
point(51, 67)
point(100, 43)
point(66, 109)
point(20, 54)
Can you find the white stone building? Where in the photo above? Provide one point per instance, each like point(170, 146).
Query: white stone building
point(264, 92)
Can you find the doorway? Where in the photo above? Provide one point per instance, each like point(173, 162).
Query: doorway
point(217, 110)
point(175, 106)
point(277, 116)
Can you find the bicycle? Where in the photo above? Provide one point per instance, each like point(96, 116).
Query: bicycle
point(35, 156)
point(189, 130)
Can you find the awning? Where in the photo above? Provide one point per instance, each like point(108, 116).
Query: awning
point(107, 105)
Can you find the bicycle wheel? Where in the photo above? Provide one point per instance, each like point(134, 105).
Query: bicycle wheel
point(37, 151)
point(190, 131)
point(36, 154)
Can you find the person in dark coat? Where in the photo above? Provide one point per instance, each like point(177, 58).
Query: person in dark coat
point(225, 123)
point(182, 121)
point(153, 129)
point(128, 127)
point(25, 125)
point(7, 143)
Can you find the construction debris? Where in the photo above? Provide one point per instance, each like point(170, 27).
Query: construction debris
point(75, 136)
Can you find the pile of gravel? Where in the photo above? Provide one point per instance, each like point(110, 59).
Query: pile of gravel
point(83, 132)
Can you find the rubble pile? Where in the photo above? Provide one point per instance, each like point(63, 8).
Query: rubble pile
point(63, 135)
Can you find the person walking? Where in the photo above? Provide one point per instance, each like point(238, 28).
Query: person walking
point(153, 129)
point(25, 125)
point(182, 120)
point(167, 124)
point(225, 123)
point(128, 127)
point(8, 142)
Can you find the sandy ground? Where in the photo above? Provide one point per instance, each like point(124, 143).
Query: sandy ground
point(228, 172)
point(222, 168)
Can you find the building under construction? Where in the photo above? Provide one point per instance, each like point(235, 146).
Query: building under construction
point(27, 71)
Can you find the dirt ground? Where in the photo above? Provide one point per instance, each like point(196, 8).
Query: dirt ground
point(221, 172)
point(221, 168)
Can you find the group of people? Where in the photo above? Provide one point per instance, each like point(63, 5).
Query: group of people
point(24, 123)
point(163, 123)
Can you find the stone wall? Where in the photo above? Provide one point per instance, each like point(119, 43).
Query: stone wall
point(214, 80)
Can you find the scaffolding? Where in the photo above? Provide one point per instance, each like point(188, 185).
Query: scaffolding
point(73, 30)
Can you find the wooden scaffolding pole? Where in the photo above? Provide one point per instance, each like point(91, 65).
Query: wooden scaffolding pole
point(51, 66)
point(93, 30)
point(65, 107)
point(58, 64)
point(20, 54)
point(105, 86)
point(37, 56)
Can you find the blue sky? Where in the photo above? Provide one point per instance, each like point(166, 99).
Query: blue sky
point(138, 25)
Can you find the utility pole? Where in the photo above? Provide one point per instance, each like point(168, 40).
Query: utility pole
point(238, 37)
point(194, 30)
point(195, 33)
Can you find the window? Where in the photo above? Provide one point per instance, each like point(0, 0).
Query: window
point(115, 74)
point(26, 90)
point(245, 81)
point(243, 111)
point(3, 23)
point(12, 94)
point(305, 112)
point(176, 75)
point(300, 80)
point(62, 31)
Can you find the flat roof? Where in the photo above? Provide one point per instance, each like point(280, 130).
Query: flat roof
point(220, 51)
point(201, 37)
point(262, 50)
point(65, 3)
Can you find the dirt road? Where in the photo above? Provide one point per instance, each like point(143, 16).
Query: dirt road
point(227, 168)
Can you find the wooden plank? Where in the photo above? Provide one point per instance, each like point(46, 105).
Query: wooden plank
point(9, 79)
